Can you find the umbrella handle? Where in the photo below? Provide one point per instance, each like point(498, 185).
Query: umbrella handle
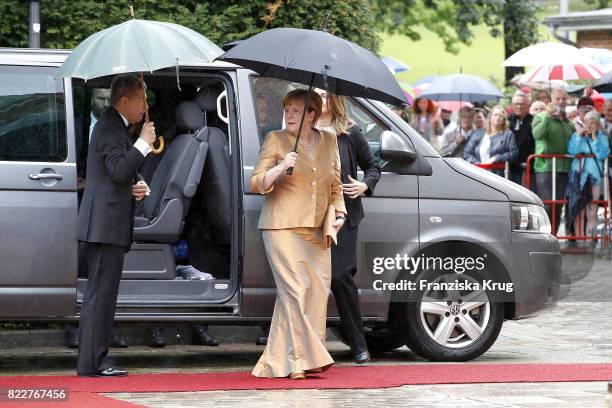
point(297, 138)
point(154, 150)
point(158, 150)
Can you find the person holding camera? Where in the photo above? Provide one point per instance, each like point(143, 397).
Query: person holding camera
point(552, 131)
point(589, 171)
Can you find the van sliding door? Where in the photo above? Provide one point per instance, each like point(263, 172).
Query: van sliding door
point(38, 201)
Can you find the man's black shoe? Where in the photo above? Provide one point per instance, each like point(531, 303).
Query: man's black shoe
point(203, 338)
point(111, 372)
point(363, 357)
point(261, 341)
point(118, 340)
point(157, 338)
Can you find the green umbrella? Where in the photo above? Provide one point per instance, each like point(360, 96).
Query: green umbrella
point(137, 46)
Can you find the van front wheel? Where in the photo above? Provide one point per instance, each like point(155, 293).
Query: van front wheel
point(442, 325)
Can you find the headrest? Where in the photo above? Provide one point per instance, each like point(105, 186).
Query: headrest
point(188, 116)
point(206, 98)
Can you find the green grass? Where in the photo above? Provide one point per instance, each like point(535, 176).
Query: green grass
point(427, 56)
point(483, 57)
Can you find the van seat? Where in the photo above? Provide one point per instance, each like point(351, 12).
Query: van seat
point(161, 216)
point(216, 183)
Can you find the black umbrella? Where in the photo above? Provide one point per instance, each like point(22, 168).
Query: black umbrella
point(604, 84)
point(319, 59)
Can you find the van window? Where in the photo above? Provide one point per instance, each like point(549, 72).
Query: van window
point(269, 94)
point(370, 126)
point(32, 115)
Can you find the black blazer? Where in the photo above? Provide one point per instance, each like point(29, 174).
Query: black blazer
point(106, 214)
point(359, 155)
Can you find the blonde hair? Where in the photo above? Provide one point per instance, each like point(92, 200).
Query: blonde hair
point(490, 125)
point(536, 105)
point(340, 119)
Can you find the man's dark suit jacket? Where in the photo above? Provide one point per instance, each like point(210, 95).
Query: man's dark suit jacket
point(107, 209)
point(359, 154)
point(524, 138)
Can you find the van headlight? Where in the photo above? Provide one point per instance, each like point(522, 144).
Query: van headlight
point(530, 218)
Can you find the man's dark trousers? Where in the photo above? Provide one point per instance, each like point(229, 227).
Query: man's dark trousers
point(344, 289)
point(105, 264)
point(106, 220)
point(544, 188)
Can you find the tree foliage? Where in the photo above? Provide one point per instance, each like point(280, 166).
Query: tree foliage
point(65, 23)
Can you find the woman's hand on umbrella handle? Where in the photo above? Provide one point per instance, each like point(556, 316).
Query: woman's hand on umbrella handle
point(289, 160)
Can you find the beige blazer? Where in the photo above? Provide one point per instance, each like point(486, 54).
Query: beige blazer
point(302, 199)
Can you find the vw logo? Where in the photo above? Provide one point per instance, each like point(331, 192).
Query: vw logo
point(455, 310)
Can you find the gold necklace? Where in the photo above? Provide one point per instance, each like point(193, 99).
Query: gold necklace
point(311, 144)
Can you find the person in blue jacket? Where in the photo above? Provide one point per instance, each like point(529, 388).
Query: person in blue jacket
point(591, 140)
point(496, 145)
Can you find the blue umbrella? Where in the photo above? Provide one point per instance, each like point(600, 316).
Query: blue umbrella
point(461, 87)
point(395, 66)
point(425, 80)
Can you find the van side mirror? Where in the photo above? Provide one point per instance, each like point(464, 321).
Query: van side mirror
point(395, 148)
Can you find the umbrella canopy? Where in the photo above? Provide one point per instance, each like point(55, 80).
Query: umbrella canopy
point(601, 56)
point(604, 84)
point(425, 80)
point(408, 91)
point(547, 53)
point(453, 106)
point(567, 72)
point(137, 46)
point(320, 59)
point(395, 66)
point(461, 87)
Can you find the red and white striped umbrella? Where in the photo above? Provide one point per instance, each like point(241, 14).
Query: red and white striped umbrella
point(566, 72)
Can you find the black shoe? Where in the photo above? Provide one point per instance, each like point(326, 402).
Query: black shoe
point(362, 357)
point(111, 372)
point(261, 341)
point(118, 340)
point(203, 338)
point(72, 339)
point(157, 338)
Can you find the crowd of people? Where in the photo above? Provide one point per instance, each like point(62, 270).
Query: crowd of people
point(502, 138)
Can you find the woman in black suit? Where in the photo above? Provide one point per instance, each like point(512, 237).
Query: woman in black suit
point(354, 151)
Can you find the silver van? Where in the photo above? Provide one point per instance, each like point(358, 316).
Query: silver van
point(201, 213)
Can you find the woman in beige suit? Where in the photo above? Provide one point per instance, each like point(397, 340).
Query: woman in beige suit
point(292, 221)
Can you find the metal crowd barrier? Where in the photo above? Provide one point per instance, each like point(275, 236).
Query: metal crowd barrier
point(553, 202)
point(505, 166)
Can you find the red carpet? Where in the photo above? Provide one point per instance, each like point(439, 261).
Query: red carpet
point(379, 376)
point(76, 399)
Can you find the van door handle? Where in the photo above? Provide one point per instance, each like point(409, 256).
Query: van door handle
point(45, 176)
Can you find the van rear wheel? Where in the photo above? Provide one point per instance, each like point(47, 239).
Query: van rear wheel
point(442, 325)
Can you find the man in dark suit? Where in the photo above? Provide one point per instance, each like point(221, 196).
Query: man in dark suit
point(106, 216)
point(354, 151)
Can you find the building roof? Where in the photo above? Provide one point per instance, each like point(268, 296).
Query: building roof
point(581, 21)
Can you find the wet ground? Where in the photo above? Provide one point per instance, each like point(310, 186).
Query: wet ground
point(576, 331)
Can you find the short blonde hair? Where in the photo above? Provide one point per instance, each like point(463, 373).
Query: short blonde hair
point(490, 125)
point(315, 103)
point(536, 105)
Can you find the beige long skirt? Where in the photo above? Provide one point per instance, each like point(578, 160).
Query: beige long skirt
point(301, 266)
